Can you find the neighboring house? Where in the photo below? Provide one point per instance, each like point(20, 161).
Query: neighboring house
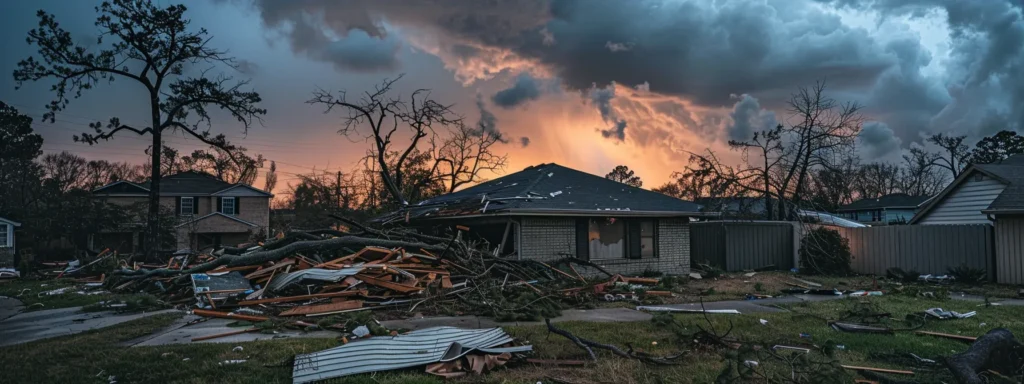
point(981, 192)
point(735, 207)
point(896, 208)
point(209, 211)
point(7, 248)
point(548, 212)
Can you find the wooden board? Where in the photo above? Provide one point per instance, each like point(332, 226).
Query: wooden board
point(323, 308)
point(387, 284)
point(289, 299)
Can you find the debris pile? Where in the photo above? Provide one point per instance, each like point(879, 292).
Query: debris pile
point(398, 271)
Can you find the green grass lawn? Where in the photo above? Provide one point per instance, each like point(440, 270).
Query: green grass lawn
point(28, 291)
point(92, 357)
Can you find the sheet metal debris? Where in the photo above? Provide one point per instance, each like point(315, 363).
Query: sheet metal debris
point(416, 348)
point(939, 313)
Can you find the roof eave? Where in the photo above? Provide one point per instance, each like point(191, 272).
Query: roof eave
point(576, 212)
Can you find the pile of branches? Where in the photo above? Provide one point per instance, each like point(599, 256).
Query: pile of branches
point(504, 288)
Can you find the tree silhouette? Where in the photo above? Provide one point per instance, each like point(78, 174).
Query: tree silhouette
point(624, 175)
point(150, 47)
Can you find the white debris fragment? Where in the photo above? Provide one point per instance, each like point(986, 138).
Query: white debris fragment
point(229, 362)
point(555, 193)
point(764, 322)
point(551, 174)
point(237, 349)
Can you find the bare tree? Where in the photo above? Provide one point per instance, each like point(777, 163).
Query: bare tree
point(466, 154)
point(387, 115)
point(876, 180)
point(232, 165)
point(623, 174)
point(919, 177)
point(65, 170)
point(270, 181)
point(151, 48)
point(824, 130)
point(955, 153)
point(768, 144)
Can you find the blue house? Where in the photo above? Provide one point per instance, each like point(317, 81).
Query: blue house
point(897, 208)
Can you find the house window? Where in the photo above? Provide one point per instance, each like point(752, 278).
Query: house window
point(611, 238)
point(607, 239)
point(647, 244)
point(227, 205)
point(4, 233)
point(187, 205)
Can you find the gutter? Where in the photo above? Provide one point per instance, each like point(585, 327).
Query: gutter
point(586, 213)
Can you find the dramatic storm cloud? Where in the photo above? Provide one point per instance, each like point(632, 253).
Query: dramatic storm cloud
point(526, 88)
point(640, 80)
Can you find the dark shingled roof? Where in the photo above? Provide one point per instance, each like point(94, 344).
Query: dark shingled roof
point(183, 183)
point(895, 200)
point(551, 188)
point(1010, 171)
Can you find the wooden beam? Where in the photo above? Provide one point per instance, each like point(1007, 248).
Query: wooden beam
point(289, 299)
point(948, 336)
point(323, 308)
point(387, 284)
point(227, 315)
point(225, 334)
point(882, 370)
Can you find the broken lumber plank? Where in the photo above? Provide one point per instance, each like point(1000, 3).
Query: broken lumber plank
point(387, 284)
point(225, 334)
point(881, 370)
point(323, 308)
point(228, 315)
point(947, 335)
point(270, 269)
point(289, 299)
point(658, 293)
point(641, 280)
point(860, 328)
point(446, 282)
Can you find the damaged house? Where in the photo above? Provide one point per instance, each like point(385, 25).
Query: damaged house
point(548, 212)
point(208, 211)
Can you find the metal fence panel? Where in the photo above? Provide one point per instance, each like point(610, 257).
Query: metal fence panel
point(923, 248)
point(736, 246)
point(1010, 250)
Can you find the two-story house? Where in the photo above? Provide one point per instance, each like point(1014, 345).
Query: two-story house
point(209, 212)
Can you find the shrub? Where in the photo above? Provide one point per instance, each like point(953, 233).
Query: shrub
point(824, 252)
point(901, 275)
point(968, 275)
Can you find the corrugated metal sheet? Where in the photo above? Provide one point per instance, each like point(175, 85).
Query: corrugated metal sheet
point(736, 246)
point(412, 349)
point(319, 274)
point(1009, 250)
point(964, 205)
point(929, 249)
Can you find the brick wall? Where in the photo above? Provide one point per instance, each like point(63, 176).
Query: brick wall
point(543, 239)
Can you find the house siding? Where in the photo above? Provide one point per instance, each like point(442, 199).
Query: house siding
point(549, 239)
point(1009, 246)
point(964, 204)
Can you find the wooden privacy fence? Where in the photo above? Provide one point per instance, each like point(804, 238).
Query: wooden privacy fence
point(928, 249)
point(735, 246)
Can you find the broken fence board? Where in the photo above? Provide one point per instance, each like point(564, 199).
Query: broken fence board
point(289, 299)
point(323, 308)
point(881, 370)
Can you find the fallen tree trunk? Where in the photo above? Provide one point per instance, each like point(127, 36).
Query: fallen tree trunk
point(998, 350)
point(263, 256)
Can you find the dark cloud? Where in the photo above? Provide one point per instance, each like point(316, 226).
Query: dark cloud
point(617, 132)
point(362, 53)
point(247, 67)
point(878, 140)
point(602, 99)
point(524, 141)
point(525, 89)
point(488, 122)
point(747, 118)
point(705, 51)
